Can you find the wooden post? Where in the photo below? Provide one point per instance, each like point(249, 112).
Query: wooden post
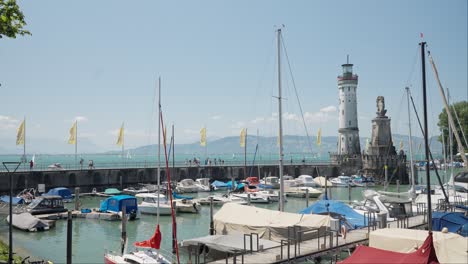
point(77, 198)
point(211, 217)
point(123, 234)
point(69, 237)
point(248, 198)
point(386, 178)
point(174, 230)
point(307, 197)
point(349, 193)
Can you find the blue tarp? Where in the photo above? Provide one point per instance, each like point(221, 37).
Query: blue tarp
point(219, 184)
point(15, 200)
point(61, 191)
point(177, 196)
point(456, 222)
point(265, 186)
point(115, 203)
point(238, 186)
point(355, 219)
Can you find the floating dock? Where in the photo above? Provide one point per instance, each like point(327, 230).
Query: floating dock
point(79, 214)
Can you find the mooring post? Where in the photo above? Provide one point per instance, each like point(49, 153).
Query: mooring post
point(69, 237)
point(77, 198)
point(386, 178)
point(211, 217)
point(398, 187)
point(248, 198)
point(174, 229)
point(123, 234)
point(349, 193)
point(307, 197)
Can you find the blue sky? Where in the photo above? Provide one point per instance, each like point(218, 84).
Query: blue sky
point(100, 60)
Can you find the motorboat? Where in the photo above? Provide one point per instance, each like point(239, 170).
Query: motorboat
point(379, 203)
point(109, 192)
point(301, 192)
point(46, 204)
point(28, 222)
point(187, 206)
point(272, 181)
point(252, 180)
point(341, 181)
point(322, 181)
point(186, 186)
point(461, 179)
point(136, 257)
point(362, 181)
point(55, 166)
point(253, 197)
point(136, 190)
point(203, 184)
point(115, 204)
point(63, 192)
point(251, 188)
point(271, 194)
point(149, 204)
point(221, 199)
point(306, 180)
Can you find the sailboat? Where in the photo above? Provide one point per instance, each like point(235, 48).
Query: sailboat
point(147, 251)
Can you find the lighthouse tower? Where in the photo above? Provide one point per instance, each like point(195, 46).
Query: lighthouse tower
point(348, 132)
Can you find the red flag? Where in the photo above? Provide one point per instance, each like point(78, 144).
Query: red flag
point(153, 242)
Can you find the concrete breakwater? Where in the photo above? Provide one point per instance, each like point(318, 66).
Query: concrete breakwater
point(122, 178)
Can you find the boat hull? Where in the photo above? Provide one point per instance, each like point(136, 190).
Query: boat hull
point(153, 209)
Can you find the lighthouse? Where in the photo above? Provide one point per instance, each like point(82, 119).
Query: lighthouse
point(348, 132)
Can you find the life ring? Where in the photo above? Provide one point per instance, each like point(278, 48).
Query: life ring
point(343, 231)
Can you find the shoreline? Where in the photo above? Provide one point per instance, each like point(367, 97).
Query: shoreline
point(17, 250)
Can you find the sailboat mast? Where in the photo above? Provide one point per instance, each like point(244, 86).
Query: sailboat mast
point(159, 147)
point(426, 136)
point(280, 118)
point(450, 148)
point(245, 155)
point(410, 143)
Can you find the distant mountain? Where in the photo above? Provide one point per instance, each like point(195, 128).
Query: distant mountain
point(291, 144)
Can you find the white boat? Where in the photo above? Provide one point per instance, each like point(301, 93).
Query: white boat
point(255, 197)
point(341, 181)
point(186, 186)
point(203, 184)
point(187, 206)
point(221, 199)
point(301, 192)
point(271, 194)
point(322, 181)
point(149, 204)
point(306, 180)
point(136, 257)
point(272, 181)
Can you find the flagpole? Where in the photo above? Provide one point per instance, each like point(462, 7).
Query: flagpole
point(24, 143)
point(245, 154)
point(123, 142)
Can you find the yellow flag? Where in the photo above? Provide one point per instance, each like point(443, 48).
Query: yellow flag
point(242, 137)
point(401, 144)
point(20, 134)
point(203, 137)
point(120, 140)
point(319, 137)
point(72, 139)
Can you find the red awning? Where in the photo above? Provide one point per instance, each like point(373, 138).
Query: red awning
point(424, 255)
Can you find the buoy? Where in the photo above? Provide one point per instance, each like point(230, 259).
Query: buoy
point(343, 231)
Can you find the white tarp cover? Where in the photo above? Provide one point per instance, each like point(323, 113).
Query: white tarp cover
point(228, 243)
point(320, 180)
point(26, 221)
point(449, 247)
point(268, 224)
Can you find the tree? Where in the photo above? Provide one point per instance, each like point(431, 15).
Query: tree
point(11, 20)
point(462, 112)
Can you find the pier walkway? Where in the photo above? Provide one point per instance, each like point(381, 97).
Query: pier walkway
point(332, 243)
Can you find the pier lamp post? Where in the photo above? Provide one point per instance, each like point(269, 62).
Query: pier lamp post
point(10, 233)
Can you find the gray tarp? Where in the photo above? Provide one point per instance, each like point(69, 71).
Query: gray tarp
point(228, 243)
point(26, 221)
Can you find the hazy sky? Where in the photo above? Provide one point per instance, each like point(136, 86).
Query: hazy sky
point(99, 61)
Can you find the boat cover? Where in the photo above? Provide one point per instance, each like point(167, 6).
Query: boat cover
point(424, 255)
point(178, 196)
point(454, 221)
point(112, 191)
point(61, 191)
point(268, 224)
point(227, 243)
point(355, 219)
point(26, 221)
point(115, 204)
point(320, 180)
point(219, 184)
point(449, 247)
point(15, 200)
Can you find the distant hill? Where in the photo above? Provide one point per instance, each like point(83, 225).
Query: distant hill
point(291, 144)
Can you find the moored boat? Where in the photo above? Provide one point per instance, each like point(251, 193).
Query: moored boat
point(149, 204)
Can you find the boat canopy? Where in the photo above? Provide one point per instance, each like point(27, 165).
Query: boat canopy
point(26, 221)
point(269, 224)
point(449, 247)
point(60, 191)
point(112, 191)
point(455, 222)
point(178, 196)
point(14, 200)
point(219, 184)
point(115, 204)
point(424, 255)
point(355, 219)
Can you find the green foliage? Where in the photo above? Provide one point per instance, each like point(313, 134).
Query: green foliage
point(462, 111)
point(11, 20)
point(4, 254)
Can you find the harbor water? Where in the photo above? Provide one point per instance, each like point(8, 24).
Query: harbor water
point(91, 237)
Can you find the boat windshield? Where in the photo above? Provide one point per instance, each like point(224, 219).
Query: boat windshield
point(272, 180)
point(35, 202)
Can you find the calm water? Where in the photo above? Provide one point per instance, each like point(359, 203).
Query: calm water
point(92, 237)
